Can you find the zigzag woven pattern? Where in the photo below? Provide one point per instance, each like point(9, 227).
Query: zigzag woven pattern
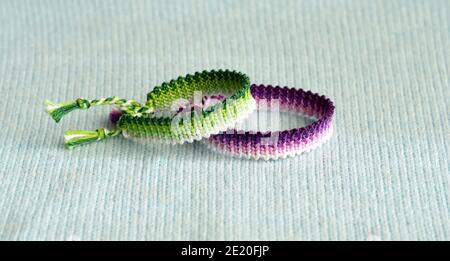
point(192, 125)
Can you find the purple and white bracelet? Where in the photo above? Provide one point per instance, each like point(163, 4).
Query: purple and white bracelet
point(280, 144)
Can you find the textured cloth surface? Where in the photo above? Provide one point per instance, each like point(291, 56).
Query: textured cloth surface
point(385, 173)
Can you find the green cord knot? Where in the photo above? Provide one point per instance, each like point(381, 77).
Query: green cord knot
point(83, 103)
point(58, 110)
point(75, 138)
point(101, 133)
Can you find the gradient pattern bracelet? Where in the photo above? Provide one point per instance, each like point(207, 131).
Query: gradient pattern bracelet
point(220, 98)
point(280, 144)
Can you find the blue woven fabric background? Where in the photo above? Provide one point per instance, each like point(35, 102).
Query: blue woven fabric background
point(384, 175)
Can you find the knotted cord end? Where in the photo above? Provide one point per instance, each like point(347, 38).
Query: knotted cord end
point(58, 110)
point(75, 138)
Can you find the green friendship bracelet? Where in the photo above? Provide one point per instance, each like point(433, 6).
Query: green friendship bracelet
point(160, 118)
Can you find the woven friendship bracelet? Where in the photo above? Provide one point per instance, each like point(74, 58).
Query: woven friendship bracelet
point(277, 144)
point(220, 98)
point(280, 144)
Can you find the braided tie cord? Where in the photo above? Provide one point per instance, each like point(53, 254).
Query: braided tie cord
point(156, 119)
point(58, 110)
point(75, 138)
